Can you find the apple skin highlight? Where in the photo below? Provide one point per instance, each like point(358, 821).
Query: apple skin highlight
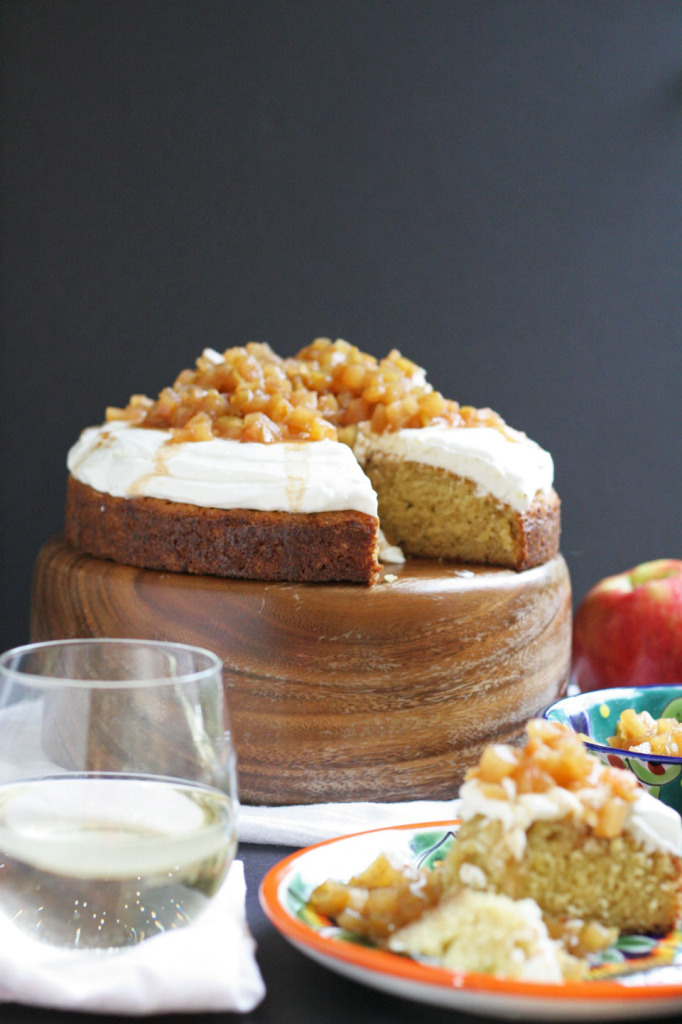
point(627, 630)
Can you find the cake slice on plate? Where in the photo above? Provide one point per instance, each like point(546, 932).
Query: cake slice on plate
point(556, 855)
point(549, 822)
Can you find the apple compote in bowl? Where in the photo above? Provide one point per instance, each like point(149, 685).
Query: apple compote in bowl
point(633, 727)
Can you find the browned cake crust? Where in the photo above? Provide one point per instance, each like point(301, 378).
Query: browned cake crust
point(155, 534)
point(538, 532)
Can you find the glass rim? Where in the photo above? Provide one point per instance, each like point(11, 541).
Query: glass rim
point(10, 673)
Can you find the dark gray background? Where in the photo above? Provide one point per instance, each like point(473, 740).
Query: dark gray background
point(492, 186)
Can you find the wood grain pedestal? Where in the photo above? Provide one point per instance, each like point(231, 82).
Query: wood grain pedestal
point(342, 692)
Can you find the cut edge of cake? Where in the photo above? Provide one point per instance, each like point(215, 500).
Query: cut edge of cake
point(549, 822)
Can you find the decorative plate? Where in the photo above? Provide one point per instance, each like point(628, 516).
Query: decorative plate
point(638, 977)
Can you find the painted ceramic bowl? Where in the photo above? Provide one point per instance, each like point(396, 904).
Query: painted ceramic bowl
point(595, 716)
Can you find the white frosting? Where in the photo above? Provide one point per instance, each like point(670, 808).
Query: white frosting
point(127, 461)
point(655, 825)
point(649, 821)
point(513, 469)
point(320, 476)
point(390, 554)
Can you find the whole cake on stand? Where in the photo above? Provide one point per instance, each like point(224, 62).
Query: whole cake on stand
point(241, 511)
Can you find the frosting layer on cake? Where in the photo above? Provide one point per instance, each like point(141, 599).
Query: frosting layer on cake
point(127, 461)
point(511, 468)
point(316, 476)
point(654, 824)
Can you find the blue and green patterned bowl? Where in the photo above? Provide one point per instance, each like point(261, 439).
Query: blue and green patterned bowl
point(595, 715)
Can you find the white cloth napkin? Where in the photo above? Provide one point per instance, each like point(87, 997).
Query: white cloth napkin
point(207, 965)
point(302, 825)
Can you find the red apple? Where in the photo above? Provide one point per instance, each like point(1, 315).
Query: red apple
point(627, 631)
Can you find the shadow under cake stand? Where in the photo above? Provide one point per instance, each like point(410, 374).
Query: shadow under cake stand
point(341, 692)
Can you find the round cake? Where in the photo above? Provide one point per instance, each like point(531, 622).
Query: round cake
point(309, 469)
point(341, 692)
point(377, 565)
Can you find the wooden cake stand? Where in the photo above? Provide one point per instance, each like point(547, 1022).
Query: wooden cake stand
point(342, 692)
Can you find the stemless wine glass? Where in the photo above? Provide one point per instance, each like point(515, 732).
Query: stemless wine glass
point(118, 796)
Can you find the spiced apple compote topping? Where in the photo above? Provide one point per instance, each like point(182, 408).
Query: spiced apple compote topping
point(554, 756)
point(641, 733)
point(249, 393)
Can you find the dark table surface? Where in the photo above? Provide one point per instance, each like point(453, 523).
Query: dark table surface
point(299, 991)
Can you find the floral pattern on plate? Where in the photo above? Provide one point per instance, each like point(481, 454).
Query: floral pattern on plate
point(637, 977)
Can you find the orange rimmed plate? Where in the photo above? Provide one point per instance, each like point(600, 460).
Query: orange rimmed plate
point(639, 977)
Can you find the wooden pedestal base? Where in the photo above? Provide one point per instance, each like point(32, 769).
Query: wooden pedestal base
point(342, 692)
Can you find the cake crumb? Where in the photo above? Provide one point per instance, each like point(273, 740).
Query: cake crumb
point(390, 577)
